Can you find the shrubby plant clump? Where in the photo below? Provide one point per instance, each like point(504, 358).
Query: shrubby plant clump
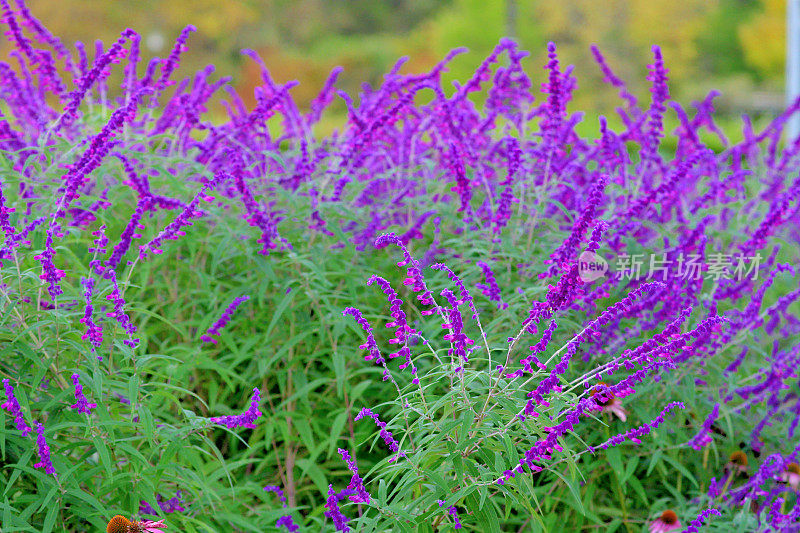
point(240, 325)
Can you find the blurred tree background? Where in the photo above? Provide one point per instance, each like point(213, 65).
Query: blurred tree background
point(735, 46)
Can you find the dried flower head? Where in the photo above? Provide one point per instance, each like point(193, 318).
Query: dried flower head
point(668, 521)
point(120, 524)
point(606, 402)
point(791, 475)
point(737, 463)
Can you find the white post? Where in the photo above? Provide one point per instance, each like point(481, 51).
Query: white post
point(793, 64)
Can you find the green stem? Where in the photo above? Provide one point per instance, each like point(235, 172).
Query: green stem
point(618, 486)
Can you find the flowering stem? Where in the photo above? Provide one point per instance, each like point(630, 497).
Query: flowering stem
point(617, 484)
point(725, 487)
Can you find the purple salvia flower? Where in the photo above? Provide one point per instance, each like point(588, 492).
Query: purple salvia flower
point(611, 78)
point(635, 434)
point(386, 435)
point(114, 54)
point(94, 331)
point(415, 280)
point(246, 419)
point(50, 273)
point(173, 230)
point(74, 180)
point(333, 512)
point(694, 525)
point(655, 120)
point(356, 483)
point(5, 225)
point(453, 512)
point(483, 72)
point(172, 505)
point(539, 347)
point(371, 346)
point(14, 32)
point(98, 248)
point(503, 210)
point(134, 57)
point(554, 88)
point(703, 437)
point(263, 219)
point(81, 404)
point(565, 254)
point(146, 509)
point(459, 342)
point(171, 62)
point(44, 451)
point(118, 313)
point(223, 320)
point(12, 406)
point(399, 322)
point(324, 98)
point(287, 522)
point(490, 289)
point(542, 448)
point(465, 296)
point(129, 233)
point(277, 490)
point(48, 74)
point(462, 188)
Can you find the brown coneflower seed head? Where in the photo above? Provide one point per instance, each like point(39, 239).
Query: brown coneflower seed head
point(669, 517)
point(794, 468)
point(118, 524)
point(607, 397)
point(738, 458)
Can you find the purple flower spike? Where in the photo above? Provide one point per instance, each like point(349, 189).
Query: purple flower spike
point(415, 280)
point(403, 330)
point(460, 343)
point(385, 434)
point(333, 512)
point(44, 451)
point(288, 523)
point(694, 525)
point(556, 99)
point(655, 120)
point(81, 404)
point(356, 483)
point(277, 490)
point(173, 230)
point(452, 511)
point(94, 331)
point(114, 54)
point(634, 434)
point(703, 437)
point(285, 520)
point(490, 289)
point(172, 505)
point(370, 345)
point(171, 62)
point(244, 420)
point(12, 406)
point(223, 320)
